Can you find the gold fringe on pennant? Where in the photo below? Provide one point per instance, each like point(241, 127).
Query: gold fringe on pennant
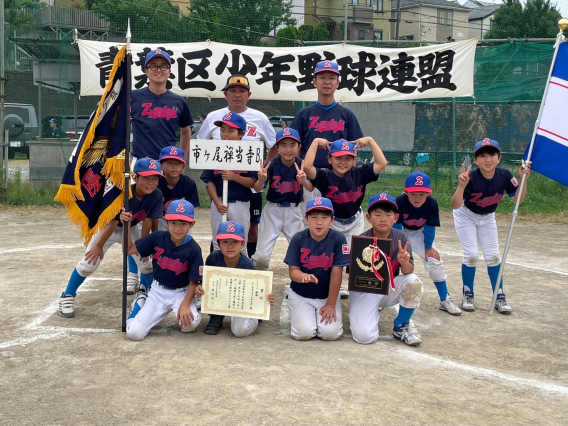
point(67, 194)
point(114, 170)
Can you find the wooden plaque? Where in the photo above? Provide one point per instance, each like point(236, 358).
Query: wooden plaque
point(362, 278)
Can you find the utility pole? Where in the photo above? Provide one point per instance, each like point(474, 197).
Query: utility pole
point(397, 18)
point(2, 93)
point(345, 24)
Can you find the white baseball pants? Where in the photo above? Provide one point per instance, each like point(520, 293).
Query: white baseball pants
point(238, 212)
point(305, 318)
point(364, 312)
point(470, 227)
point(354, 228)
point(158, 305)
point(243, 327)
point(275, 220)
point(86, 269)
point(435, 268)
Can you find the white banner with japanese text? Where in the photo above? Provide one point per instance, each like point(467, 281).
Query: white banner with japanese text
point(208, 154)
point(367, 74)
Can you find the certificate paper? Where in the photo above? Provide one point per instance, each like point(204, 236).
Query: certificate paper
point(236, 292)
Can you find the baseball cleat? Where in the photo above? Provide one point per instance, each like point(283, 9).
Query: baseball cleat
point(502, 306)
point(449, 306)
point(66, 306)
point(187, 329)
point(468, 302)
point(131, 283)
point(214, 326)
point(406, 334)
point(140, 299)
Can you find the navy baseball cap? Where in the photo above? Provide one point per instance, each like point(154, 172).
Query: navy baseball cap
point(237, 80)
point(383, 197)
point(287, 132)
point(158, 53)
point(342, 147)
point(231, 231)
point(233, 120)
point(486, 143)
point(319, 203)
point(327, 66)
point(172, 153)
point(53, 120)
point(417, 182)
point(180, 210)
point(147, 167)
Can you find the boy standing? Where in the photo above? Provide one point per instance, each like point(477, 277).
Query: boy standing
point(364, 307)
point(285, 177)
point(231, 241)
point(418, 217)
point(177, 261)
point(146, 207)
point(316, 257)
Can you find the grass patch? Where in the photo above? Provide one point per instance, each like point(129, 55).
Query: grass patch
point(20, 192)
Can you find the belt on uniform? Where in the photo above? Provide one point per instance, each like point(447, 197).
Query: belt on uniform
point(350, 220)
point(287, 204)
point(168, 288)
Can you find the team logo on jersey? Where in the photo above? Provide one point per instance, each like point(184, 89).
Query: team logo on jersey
point(228, 116)
point(159, 112)
point(201, 270)
point(344, 197)
point(326, 126)
point(419, 181)
point(514, 182)
point(413, 222)
point(345, 146)
point(173, 151)
point(251, 132)
point(286, 131)
point(311, 262)
point(485, 201)
point(140, 216)
point(153, 165)
point(173, 265)
point(345, 249)
point(231, 227)
point(180, 208)
point(327, 64)
point(284, 187)
point(486, 141)
point(317, 201)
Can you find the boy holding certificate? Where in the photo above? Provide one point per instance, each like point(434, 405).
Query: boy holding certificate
point(231, 241)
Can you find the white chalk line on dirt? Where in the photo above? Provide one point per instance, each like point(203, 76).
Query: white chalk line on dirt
point(434, 361)
point(23, 341)
point(45, 247)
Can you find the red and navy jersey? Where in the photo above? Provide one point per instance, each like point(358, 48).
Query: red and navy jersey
point(396, 236)
point(148, 207)
point(482, 195)
point(185, 189)
point(316, 258)
point(282, 183)
point(346, 193)
point(414, 218)
point(332, 124)
point(216, 258)
point(174, 266)
point(237, 192)
point(155, 121)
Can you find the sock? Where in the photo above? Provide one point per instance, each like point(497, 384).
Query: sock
point(75, 281)
point(404, 315)
point(468, 275)
point(251, 248)
point(442, 290)
point(146, 280)
point(132, 266)
point(493, 272)
point(135, 311)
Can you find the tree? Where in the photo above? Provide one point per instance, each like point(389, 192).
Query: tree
point(17, 18)
point(536, 19)
point(287, 36)
point(238, 21)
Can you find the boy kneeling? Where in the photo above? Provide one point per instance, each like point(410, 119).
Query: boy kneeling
point(316, 257)
point(364, 308)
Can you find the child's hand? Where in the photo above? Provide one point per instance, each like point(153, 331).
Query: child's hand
point(270, 299)
point(431, 252)
point(323, 143)
point(463, 178)
point(222, 208)
point(125, 216)
point(525, 169)
point(327, 313)
point(263, 173)
point(309, 278)
point(362, 143)
point(184, 315)
point(93, 254)
point(300, 174)
point(403, 256)
point(199, 291)
point(228, 175)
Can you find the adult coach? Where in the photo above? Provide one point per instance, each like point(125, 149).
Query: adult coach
point(157, 113)
point(237, 93)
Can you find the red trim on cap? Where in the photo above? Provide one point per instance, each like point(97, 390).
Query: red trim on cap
point(340, 153)
point(229, 237)
point(327, 70)
point(149, 173)
point(288, 137)
point(417, 189)
point(487, 146)
point(175, 216)
point(171, 157)
point(228, 123)
point(383, 201)
point(320, 207)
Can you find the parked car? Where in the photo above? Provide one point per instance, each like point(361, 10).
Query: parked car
point(21, 121)
point(275, 121)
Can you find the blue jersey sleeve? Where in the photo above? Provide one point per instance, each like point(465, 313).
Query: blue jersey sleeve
point(191, 193)
point(397, 226)
point(208, 176)
point(293, 254)
point(196, 262)
point(145, 245)
point(353, 129)
point(434, 216)
point(185, 119)
point(368, 173)
point(321, 180)
point(341, 257)
point(157, 206)
point(429, 235)
point(512, 183)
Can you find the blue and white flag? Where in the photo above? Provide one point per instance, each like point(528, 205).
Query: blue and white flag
point(550, 152)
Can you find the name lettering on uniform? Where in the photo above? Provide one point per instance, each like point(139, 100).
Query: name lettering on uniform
point(413, 222)
point(311, 262)
point(173, 265)
point(159, 112)
point(344, 197)
point(284, 187)
point(326, 126)
point(485, 201)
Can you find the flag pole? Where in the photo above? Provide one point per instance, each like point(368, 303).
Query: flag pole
point(562, 25)
point(126, 236)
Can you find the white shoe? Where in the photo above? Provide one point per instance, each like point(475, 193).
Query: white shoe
point(197, 302)
point(468, 302)
point(131, 283)
point(406, 334)
point(502, 306)
point(449, 306)
point(140, 299)
point(185, 329)
point(66, 306)
point(343, 292)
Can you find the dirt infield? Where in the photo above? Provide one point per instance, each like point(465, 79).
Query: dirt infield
point(470, 370)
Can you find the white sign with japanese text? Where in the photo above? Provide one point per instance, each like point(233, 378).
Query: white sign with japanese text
point(225, 155)
point(236, 292)
point(367, 74)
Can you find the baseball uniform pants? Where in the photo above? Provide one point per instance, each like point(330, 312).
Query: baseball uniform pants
point(243, 327)
point(354, 228)
point(435, 268)
point(364, 311)
point(305, 318)
point(238, 212)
